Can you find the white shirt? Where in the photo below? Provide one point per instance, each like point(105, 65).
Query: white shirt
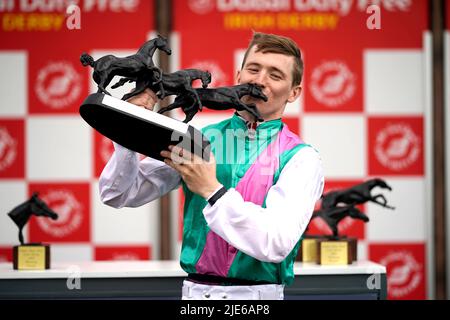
point(267, 234)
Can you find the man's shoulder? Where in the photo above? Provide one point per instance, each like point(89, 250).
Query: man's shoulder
point(305, 152)
point(216, 126)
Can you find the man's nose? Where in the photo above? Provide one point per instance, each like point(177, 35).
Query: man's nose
point(260, 80)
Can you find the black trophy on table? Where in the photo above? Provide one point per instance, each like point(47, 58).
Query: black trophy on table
point(146, 131)
point(336, 205)
point(31, 256)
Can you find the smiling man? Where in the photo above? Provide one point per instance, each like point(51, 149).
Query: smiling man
point(245, 214)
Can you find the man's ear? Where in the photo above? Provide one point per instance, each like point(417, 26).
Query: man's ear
point(238, 76)
point(295, 93)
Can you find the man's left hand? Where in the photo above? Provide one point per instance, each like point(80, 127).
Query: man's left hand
point(198, 174)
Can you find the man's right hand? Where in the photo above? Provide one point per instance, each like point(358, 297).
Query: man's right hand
point(146, 99)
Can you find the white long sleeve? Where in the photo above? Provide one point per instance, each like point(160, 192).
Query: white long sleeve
point(269, 234)
point(126, 182)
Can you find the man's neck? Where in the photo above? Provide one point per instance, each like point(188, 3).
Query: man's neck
point(250, 118)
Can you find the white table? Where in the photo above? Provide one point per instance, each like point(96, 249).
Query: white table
point(163, 279)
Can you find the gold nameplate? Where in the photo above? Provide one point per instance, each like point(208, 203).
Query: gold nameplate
point(309, 250)
point(31, 257)
point(334, 253)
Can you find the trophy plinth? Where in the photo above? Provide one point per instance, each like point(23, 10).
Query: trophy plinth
point(34, 256)
point(336, 251)
point(139, 129)
point(308, 249)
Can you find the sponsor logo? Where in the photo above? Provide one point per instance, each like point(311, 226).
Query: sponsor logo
point(332, 83)
point(218, 76)
point(404, 273)
point(253, 5)
point(125, 256)
point(397, 146)
point(8, 149)
point(69, 211)
point(106, 149)
point(58, 85)
point(45, 6)
point(201, 6)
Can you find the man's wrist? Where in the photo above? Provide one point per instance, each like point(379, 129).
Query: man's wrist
point(211, 193)
point(216, 195)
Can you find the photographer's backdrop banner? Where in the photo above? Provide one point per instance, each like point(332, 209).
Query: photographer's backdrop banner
point(363, 107)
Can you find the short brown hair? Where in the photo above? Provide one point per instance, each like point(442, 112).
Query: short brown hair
point(272, 43)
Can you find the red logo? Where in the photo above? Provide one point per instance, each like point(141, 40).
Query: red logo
point(396, 146)
point(405, 273)
point(69, 212)
point(218, 76)
point(12, 164)
point(405, 269)
point(201, 6)
point(58, 85)
point(8, 149)
point(71, 203)
point(333, 84)
point(123, 253)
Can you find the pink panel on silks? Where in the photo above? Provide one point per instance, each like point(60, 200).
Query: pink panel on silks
point(218, 255)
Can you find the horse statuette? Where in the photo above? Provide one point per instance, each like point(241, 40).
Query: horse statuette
point(137, 66)
point(335, 206)
point(221, 98)
point(32, 207)
point(32, 256)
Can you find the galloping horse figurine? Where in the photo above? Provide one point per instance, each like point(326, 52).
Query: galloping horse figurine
point(175, 83)
point(357, 194)
point(33, 206)
point(332, 216)
point(134, 66)
point(336, 205)
point(221, 98)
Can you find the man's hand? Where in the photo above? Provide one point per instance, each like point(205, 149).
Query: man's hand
point(198, 174)
point(146, 99)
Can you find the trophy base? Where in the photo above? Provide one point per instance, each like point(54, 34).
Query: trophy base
point(308, 249)
point(33, 256)
point(337, 251)
point(141, 130)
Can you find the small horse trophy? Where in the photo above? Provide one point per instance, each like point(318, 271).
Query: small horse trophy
point(336, 205)
point(128, 124)
point(31, 256)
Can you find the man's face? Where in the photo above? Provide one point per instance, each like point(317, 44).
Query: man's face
point(273, 72)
